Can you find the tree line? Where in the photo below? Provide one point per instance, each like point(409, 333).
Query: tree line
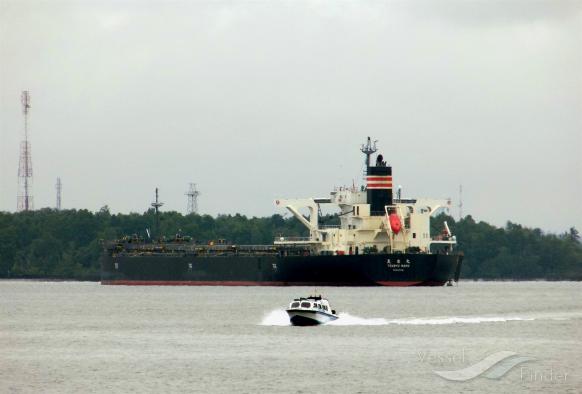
point(67, 244)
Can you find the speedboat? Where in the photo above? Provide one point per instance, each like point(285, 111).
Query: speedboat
point(310, 311)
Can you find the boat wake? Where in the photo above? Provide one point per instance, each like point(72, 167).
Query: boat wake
point(345, 319)
point(279, 317)
point(455, 320)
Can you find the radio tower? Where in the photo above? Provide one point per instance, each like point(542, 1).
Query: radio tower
point(460, 202)
point(59, 187)
point(192, 194)
point(24, 196)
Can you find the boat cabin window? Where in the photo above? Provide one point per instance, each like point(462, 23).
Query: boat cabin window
point(295, 305)
point(325, 307)
point(305, 305)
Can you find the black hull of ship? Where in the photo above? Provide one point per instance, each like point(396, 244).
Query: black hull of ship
point(347, 270)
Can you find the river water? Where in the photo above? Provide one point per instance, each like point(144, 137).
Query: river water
point(490, 337)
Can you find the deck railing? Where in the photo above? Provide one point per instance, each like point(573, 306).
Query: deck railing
point(324, 226)
point(292, 239)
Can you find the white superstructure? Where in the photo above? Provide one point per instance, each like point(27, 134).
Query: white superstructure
point(370, 220)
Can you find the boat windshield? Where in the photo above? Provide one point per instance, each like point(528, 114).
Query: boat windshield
point(305, 305)
point(295, 305)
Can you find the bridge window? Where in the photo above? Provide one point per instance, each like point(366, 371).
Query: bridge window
point(295, 305)
point(305, 305)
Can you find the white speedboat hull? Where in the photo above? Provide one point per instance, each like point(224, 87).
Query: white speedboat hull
point(303, 317)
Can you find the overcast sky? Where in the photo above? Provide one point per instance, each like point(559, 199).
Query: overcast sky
point(255, 100)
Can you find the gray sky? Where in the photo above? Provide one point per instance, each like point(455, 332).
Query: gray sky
point(255, 100)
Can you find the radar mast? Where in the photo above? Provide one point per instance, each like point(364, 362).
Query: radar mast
point(368, 149)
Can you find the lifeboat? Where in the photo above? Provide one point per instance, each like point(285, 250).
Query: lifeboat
point(395, 223)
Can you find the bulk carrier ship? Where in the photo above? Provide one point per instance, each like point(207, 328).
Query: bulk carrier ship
point(380, 241)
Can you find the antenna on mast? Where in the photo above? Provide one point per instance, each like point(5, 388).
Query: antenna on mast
point(368, 148)
point(24, 197)
point(192, 194)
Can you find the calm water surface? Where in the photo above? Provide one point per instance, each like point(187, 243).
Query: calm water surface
point(84, 337)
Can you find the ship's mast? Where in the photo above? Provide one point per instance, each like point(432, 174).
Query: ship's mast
point(156, 205)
